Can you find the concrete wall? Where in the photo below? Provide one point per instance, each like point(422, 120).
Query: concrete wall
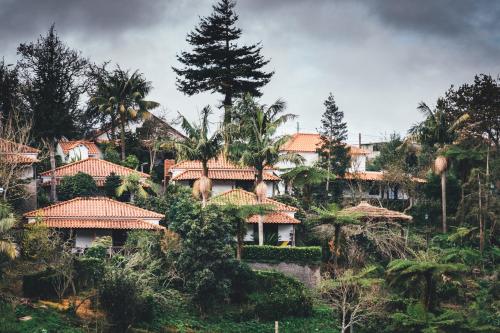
point(310, 275)
point(85, 237)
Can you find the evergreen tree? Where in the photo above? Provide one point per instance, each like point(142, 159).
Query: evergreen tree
point(217, 63)
point(9, 92)
point(55, 80)
point(334, 153)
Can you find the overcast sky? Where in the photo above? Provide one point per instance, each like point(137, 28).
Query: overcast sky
point(378, 58)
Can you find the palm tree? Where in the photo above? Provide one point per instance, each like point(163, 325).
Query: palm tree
point(7, 221)
point(438, 130)
point(200, 146)
point(239, 215)
point(257, 145)
point(304, 177)
point(330, 221)
point(132, 184)
point(424, 270)
point(121, 96)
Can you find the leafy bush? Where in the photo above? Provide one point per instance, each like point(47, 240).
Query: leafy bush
point(79, 185)
point(131, 161)
point(307, 255)
point(112, 182)
point(120, 295)
point(277, 296)
point(111, 155)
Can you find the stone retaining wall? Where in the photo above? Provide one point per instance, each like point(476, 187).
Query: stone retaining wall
point(308, 274)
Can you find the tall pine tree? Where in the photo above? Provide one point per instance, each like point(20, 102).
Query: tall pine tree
point(9, 92)
point(217, 63)
point(55, 79)
point(334, 153)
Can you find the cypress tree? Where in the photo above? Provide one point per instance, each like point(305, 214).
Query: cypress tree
point(334, 153)
point(217, 63)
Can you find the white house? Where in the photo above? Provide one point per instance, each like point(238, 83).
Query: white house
point(280, 222)
point(20, 160)
point(84, 219)
point(307, 145)
point(71, 151)
point(224, 174)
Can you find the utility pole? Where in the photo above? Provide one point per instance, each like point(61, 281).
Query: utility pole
point(359, 140)
point(298, 127)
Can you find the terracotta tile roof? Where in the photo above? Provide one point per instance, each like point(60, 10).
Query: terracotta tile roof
point(216, 163)
point(371, 212)
point(97, 168)
point(7, 146)
point(236, 174)
point(242, 197)
point(310, 142)
point(94, 207)
point(128, 224)
point(374, 176)
point(68, 145)
point(277, 217)
point(18, 158)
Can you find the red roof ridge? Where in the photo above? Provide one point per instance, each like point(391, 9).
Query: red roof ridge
point(99, 161)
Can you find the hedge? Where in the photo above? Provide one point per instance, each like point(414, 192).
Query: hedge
point(267, 253)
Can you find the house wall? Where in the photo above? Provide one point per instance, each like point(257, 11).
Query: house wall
point(358, 163)
point(78, 153)
point(85, 237)
point(285, 232)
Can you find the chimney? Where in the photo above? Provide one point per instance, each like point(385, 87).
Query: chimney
point(359, 139)
point(167, 164)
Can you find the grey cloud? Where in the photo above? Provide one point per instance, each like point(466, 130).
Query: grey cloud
point(23, 18)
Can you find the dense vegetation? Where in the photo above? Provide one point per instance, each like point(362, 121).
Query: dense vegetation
point(437, 273)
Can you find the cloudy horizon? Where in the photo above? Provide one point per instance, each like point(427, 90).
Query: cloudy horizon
point(378, 58)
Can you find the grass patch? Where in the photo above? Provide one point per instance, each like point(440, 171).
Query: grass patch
point(43, 320)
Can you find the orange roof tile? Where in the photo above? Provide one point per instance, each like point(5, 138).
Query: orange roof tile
point(7, 146)
point(277, 217)
point(97, 168)
point(310, 142)
point(18, 158)
point(237, 174)
point(216, 163)
point(129, 224)
point(93, 207)
point(242, 197)
point(368, 211)
point(373, 176)
point(68, 145)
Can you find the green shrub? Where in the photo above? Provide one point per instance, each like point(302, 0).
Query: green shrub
point(39, 285)
point(79, 185)
point(113, 181)
point(277, 296)
point(306, 255)
point(121, 297)
point(131, 161)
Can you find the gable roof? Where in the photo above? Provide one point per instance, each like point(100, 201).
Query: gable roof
point(374, 176)
point(233, 174)
point(219, 168)
point(93, 208)
point(66, 146)
point(310, 142)
point(7, 146)
point(368, 211)
point(97, 168)
point(242, 197)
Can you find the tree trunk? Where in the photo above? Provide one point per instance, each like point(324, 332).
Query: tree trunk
point(260, 199)
point(122, 136)
point(428, 291)
point(52, 156)
point(239, 246)
point(481, 221)
point(443, 200)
